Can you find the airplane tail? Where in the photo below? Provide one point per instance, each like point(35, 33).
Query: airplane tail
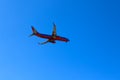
point(34, 31)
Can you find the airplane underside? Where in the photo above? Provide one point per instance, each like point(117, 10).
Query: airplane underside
point(51, 41)
point(51, 38)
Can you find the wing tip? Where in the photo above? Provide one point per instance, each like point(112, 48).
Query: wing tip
point(54, 24)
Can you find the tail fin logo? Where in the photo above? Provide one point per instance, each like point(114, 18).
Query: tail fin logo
point(34, 30)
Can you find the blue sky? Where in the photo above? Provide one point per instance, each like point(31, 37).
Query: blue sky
point(93, 28)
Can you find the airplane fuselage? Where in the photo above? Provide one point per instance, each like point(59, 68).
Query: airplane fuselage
point(50, 37)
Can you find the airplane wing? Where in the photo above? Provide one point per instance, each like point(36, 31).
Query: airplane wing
point(54, 31)
point(44, 42)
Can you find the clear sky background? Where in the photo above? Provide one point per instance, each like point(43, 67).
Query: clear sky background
point(93, 27)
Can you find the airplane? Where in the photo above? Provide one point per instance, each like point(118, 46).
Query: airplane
point(51, 38)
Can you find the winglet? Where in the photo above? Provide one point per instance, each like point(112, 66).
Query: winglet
point(54, 24)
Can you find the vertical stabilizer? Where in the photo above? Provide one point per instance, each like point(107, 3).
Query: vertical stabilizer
point(33, 30)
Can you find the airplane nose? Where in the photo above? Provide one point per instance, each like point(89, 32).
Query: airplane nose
point(67, 40)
